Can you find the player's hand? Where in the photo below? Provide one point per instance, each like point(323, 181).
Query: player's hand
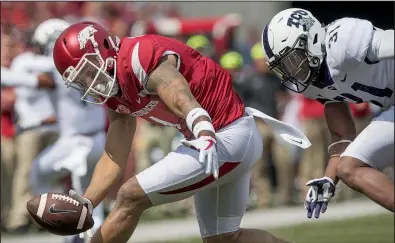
point(207, 148)
point(84, 201)
point(320, 193)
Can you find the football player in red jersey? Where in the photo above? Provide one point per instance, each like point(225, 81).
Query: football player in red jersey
point(167, 83)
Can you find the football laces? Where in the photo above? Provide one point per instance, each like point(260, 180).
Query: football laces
point(65, 198)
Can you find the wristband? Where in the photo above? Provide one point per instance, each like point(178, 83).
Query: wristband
point(338, 142)
point(202, 126)
point(193, 114)
point(334, 156)
point(329, 179)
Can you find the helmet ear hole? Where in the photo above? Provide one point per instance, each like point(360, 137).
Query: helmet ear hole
point(64, 41)
point(105, 44)
point(315, 39)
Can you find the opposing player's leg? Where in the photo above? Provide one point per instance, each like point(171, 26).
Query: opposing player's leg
point(180, 175)
point(372, 150)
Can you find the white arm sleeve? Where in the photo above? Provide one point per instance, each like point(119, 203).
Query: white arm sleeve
point(382, 46)
point(12, 78)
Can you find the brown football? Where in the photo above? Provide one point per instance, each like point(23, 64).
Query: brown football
point(60, 214)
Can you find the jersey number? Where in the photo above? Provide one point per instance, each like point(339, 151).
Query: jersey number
point(295, 17)
point(367, 89)
point(333, 36)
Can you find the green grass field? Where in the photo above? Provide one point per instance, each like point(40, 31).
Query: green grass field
point(371, 229)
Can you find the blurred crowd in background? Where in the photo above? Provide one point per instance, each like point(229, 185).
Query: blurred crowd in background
point(278, 178)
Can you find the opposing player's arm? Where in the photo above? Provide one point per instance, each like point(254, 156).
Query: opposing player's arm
point(342, 129)
point(170, 85)
point(110, 167)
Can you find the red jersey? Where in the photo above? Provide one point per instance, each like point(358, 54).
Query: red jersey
point(311, 109)
point(209, 83)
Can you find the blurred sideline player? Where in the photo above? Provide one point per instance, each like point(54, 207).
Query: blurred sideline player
point(81, 130)
point(81, 125)
point(349, 60)
point(167, 83)
point(202, 45)
point(36, 128)
point(261, 90)
point(289, 108)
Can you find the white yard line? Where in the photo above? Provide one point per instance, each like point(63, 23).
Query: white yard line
point(167, 230)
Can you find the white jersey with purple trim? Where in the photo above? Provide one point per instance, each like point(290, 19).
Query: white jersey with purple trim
point(348, 75)
point(32, 105)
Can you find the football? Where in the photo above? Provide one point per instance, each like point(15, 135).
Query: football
point(60, 214)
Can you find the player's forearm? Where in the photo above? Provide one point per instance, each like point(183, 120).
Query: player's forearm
point(335, 149)
point(184, 104)
point(109, 169)
point(178, 98)
point(331, 169)
point(170, 85)
point(173, 89)
point(106, 174)
point(343, 132)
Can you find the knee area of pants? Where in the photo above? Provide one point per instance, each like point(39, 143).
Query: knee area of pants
point(131, 196)
point(231, 237)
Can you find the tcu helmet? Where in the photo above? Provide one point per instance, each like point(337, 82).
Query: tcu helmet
point(85, 55)
point(294, 46)
point(46, 33)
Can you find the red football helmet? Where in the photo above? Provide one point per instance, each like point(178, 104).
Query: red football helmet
point(85, 54)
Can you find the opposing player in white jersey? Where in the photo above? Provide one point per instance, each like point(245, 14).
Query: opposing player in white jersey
point(349, 60)
point(81, 126)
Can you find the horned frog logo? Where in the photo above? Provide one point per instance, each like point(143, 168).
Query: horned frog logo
point(308, 22)
point(85, 35)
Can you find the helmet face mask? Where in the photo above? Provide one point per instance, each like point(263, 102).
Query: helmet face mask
point(91, 77)
point(295, 68)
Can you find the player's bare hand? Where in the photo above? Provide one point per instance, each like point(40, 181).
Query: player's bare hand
point(206, 145)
